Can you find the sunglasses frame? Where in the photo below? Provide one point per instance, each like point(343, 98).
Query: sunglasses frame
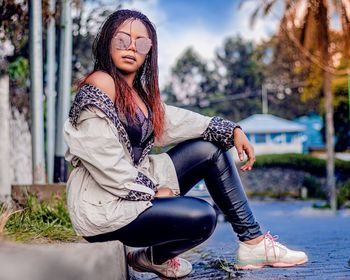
point(137, 50)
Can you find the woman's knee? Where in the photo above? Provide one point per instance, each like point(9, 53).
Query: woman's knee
point(203, 217)
point(204, 149)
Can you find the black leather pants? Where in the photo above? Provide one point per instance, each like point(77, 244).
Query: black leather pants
point(174, 225)
point(197, 159)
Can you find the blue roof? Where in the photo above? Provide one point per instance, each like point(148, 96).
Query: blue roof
point(265, 123)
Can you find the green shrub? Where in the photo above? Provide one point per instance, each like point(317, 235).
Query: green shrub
point(314, 189)
point(344, 193)
point(307, 163)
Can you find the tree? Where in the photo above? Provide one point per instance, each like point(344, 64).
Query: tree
point(240, 67)
point(284, 78)
point(229, 85)
point(312, 37)
point(192, 82)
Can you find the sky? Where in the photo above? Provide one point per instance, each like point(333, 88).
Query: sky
point(202, 24)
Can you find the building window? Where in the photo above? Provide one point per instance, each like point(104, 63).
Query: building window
point(290, 137)
point(276, 138)
point(260, 138)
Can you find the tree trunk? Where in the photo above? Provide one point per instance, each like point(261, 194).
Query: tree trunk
point(327, 79)
point(5, 183)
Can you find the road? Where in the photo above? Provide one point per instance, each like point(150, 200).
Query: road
point(323, 236)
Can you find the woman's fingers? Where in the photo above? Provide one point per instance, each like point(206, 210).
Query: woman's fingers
point(243, 145)
point(251, 160)
point(239, 149)
point(164, 192)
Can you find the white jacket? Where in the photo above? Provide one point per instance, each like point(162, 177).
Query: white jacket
point(106, 190)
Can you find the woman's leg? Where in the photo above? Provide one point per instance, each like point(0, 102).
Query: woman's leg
point(197, 159)
point(171, 226)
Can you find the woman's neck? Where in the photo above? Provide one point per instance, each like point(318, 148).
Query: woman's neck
point(129, 78)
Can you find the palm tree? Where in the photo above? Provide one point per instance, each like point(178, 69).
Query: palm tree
point(307, 24)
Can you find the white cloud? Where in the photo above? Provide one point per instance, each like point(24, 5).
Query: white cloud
point(172, 45)
point(174, 39)
point(149, 7)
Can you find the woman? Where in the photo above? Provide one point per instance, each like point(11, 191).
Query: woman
point(119, 191)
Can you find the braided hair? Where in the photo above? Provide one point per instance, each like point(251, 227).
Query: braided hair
point(146, 79)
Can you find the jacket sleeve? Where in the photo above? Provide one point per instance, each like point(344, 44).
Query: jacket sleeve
point(102, 154)
point(182, 124)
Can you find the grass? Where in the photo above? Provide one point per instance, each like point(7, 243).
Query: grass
point(217, 263)
point(221, 264)
point(39, 222)
point(225, 266)
point(5, 213)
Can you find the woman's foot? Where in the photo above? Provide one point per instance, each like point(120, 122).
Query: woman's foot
point(171, 269)
point(267, 253)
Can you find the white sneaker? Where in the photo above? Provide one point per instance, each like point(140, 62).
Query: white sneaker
point(267, 253)
point(171, 269)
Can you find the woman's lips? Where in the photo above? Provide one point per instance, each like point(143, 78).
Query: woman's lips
point(129, 58)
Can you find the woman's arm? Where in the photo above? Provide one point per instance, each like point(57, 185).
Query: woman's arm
point(182, 124)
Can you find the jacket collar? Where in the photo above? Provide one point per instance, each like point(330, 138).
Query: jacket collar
point(91, 95)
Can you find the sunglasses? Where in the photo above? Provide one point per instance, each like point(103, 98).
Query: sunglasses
point(123, 42)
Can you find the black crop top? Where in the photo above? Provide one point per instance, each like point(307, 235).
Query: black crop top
point(139, 131)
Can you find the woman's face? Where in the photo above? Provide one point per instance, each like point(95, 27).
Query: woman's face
point(129, 59)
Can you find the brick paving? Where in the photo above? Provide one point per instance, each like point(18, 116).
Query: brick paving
point(324, 237)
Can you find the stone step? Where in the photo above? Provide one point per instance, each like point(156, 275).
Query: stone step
point(68, 261)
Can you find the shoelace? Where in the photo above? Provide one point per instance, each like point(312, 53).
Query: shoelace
point(174, 265)
point(272, 240)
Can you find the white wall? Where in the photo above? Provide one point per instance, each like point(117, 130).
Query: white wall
point(274, 148)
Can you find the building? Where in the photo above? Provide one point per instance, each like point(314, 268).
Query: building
point(273, 135)
point(313, 123)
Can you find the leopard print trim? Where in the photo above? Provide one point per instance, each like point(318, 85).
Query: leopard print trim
point(220, 131)
point(146, 150)
point(142, 179)
point(145, 181)
point(134, 195)
point(91, 95)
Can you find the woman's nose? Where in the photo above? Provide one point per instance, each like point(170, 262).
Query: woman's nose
point(132, 45)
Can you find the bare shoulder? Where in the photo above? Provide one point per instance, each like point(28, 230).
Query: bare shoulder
point(104, 82)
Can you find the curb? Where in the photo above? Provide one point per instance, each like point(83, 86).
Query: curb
point(69, 261)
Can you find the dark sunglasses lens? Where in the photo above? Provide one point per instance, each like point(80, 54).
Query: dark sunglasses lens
point(143, 45)
point(122, 41)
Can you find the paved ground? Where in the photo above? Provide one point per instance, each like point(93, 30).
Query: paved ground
point(325, 238)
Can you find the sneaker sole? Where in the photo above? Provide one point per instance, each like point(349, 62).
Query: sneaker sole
point(161, 276)
point(261, 265)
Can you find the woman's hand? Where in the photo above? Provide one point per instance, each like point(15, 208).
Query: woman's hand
point(164, 192)
point(242, 144)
